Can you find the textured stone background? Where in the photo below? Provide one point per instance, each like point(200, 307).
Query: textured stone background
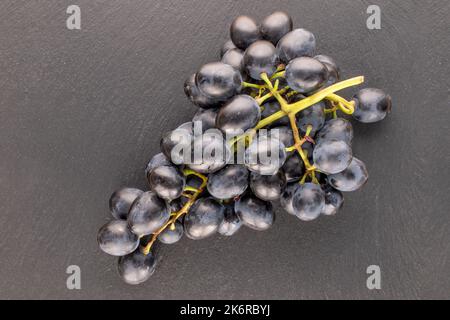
point(82, 111)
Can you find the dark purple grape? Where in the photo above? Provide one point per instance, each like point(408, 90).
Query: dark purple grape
point(229, 182)
point(172, 234)
point(314, 116)
point(265, 155)
point(332, 156)
point(276, 26)
point(238, 115)
point(333, 201)
point(297, 43)
point(116, 239)
point(351, 179)
point(286, 197)
point(218, 81)
point(121, 201)
point(254, 212)
point(308, 201)
point(176, 144)
point(148, 214)
point(156, 161)
point(244, 31)
point(260, 57)
point(231, 222)
point(371, 105)
point(327, 60)
point(210, 152)
point(294, 167)
point(167, 182)
point(268, 188)
point(270, 108)
point(207, 118)
point(336, 129)
point(196, 97)
point(284, 134)
point(305, 74)
point(226, 46)
point(136, 267)
point(234, 58)
point(203, 219)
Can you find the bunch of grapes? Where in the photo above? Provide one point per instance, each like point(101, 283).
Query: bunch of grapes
point(270, 129)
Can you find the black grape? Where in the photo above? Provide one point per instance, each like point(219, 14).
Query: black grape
point(371, 105)
point(287, 196)
point(308, 201)
point(314, 116)
point(265, 155)
point(203, 219)
point(116, 239)
point(228, 182)
point(136, 267)
point(244, 31)
point(172, 234)
point(297, 43)
point(234, 58)
point(334, 201)
point(238, 115)
point(226, 46)
point(218, 81)
point(231, 222)
point(351, 179)
point(156, 161)
point(294, 167)
point(332, 156)
point(175, 143)
point(196, 97)
point(121, 201)
point(260, 57)
point(305, 74)
point(269, 108)
point(268, 188)
point(327, 60)
point(254, 212)
point(207, 118)
point(148, 214)
point(212, 151)
point(276, 26)
point(167, 182)
point(336, 129)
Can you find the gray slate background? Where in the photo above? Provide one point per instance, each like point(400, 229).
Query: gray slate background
point(82, 111)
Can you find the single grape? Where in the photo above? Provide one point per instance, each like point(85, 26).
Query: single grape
point(371, 105)
point(308, 201)
point(234, 58)
point(270, 108)
point(332, 156)
point(136, 267)
point(297, 43)
point(148, 214)
point(177, 204)
point(229, 182)
point(203, 219)
point(293, 168)
point(238, 115)
point(260, 57)
point(333, 201)
point(276, 26)
point(167, 182)
point(207, 118)
point(336, 129)
point(218, 81)
point(314, 116)
point(333, 75)
point(265, 155)
point(121, 201)
point(116, 239)
point(305, 74)
point(351, 179)
point(268, 188)
point(254, 212)
point(157, 160)
point(196, 97)
point(226, 46)
point(284, 134)
point(327, 60)
point(244, 31)
point(172, 234)
point(176, 144)
point(210, 152)
point(231, 222)
point(287, 196)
